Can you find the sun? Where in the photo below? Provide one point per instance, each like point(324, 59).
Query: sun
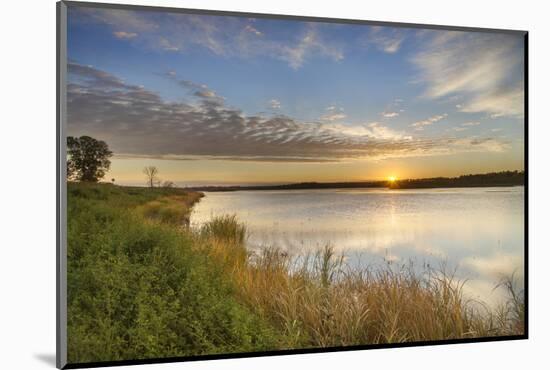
point(392, 179)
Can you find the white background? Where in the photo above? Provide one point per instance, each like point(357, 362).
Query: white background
point(27, 203)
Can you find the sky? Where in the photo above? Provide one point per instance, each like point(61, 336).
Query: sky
point(214, 100)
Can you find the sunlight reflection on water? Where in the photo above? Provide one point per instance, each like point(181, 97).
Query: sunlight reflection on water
point(477, 231)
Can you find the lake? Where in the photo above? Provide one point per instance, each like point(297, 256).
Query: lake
point(479, 232)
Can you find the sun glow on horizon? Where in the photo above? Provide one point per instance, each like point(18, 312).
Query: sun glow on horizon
point(392, 178)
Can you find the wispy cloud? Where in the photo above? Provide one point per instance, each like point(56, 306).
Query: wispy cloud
point(136, 121)
point(386, 39)
point(393, 109)
point(333, 113)
point(253, 30)
point(274, 104)
point(196, 89)
point(504, 102)
point(419, 125)
point(373, 130)
point(486, 70)
point(311, 43)
point(465, 126)
point(125, 35)
point(390, 114)
point(230, 37)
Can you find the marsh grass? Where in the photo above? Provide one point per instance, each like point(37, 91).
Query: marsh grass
point(142, 284)
point(511, 313)
point(172, 209)
point(317, 300)
point(225, 229)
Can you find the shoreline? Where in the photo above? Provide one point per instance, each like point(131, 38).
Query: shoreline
point(205, 190)
point(497, 179)
point(183, 291)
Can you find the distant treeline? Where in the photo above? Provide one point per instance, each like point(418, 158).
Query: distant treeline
point(296, 186)
point(505, 178)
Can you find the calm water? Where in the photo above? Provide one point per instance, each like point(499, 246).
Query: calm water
point(477, 231)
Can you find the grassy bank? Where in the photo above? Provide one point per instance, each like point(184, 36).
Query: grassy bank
point(138, 289)
point(142, 284)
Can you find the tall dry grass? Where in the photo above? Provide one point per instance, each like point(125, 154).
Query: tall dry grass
point(318, 300)
point(172, 209)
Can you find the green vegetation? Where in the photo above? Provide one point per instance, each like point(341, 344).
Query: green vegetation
point(138, 288)
point(87, 158)
point(142, 284)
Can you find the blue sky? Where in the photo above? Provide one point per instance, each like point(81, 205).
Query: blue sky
point(179, 87)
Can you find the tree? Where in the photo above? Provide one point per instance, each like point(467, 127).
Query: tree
point(88, 158)
point(151, 172)
point(71, 170)
point(167, 184)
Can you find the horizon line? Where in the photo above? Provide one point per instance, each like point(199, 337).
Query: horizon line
point(221, 184)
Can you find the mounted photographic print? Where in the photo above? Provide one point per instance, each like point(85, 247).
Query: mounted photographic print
point(234, 184)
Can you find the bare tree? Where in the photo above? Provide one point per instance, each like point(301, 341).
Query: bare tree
point(151, 172)
point(167, 184)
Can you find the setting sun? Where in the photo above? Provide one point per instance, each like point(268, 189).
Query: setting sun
point(392, 178)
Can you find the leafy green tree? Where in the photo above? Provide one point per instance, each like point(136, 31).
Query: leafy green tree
point(87, 158)
point(71, 171)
